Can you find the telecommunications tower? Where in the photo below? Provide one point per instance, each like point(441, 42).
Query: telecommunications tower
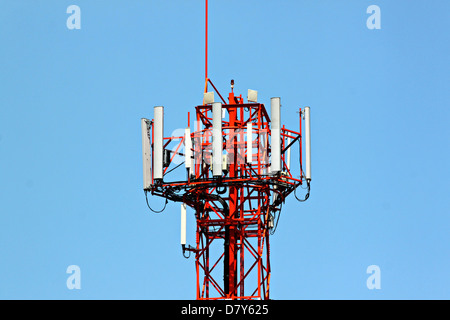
point(238, 174)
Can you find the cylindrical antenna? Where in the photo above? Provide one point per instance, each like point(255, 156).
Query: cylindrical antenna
point(307, 143)
point(146, 154)
point(249, 142)
point(217, 144)
point(183, 224)
point(187, 148)
point(288, 160)
point(158, 144)
point(275, 129)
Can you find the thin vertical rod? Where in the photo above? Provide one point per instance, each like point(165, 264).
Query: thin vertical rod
point(206, 41)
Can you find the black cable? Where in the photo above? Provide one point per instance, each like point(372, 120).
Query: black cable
point(148, 205)
point(307, 185)
point(307, 194)
point(221, 191)
point(184, 251)
point(276, 223)
point(173, 168)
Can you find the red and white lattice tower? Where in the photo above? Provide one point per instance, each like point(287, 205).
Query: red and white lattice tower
point(238, 174)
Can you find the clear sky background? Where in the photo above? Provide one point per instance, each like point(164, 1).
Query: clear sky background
point(70, 142)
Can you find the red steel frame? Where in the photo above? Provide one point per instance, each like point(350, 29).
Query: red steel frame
point(234, 210)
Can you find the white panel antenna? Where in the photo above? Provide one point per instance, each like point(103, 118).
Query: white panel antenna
point(252, 95)
point(208, 97)
point(217, 144)
point(187, 148)
point(288, 160)
point(183, 224)
point(146, 154)
point(307, 118)
point(249, 142)
point(225, 163)
point(275, 135)
point(158, 143)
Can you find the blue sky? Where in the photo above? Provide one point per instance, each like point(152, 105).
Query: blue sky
point(70, 142)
